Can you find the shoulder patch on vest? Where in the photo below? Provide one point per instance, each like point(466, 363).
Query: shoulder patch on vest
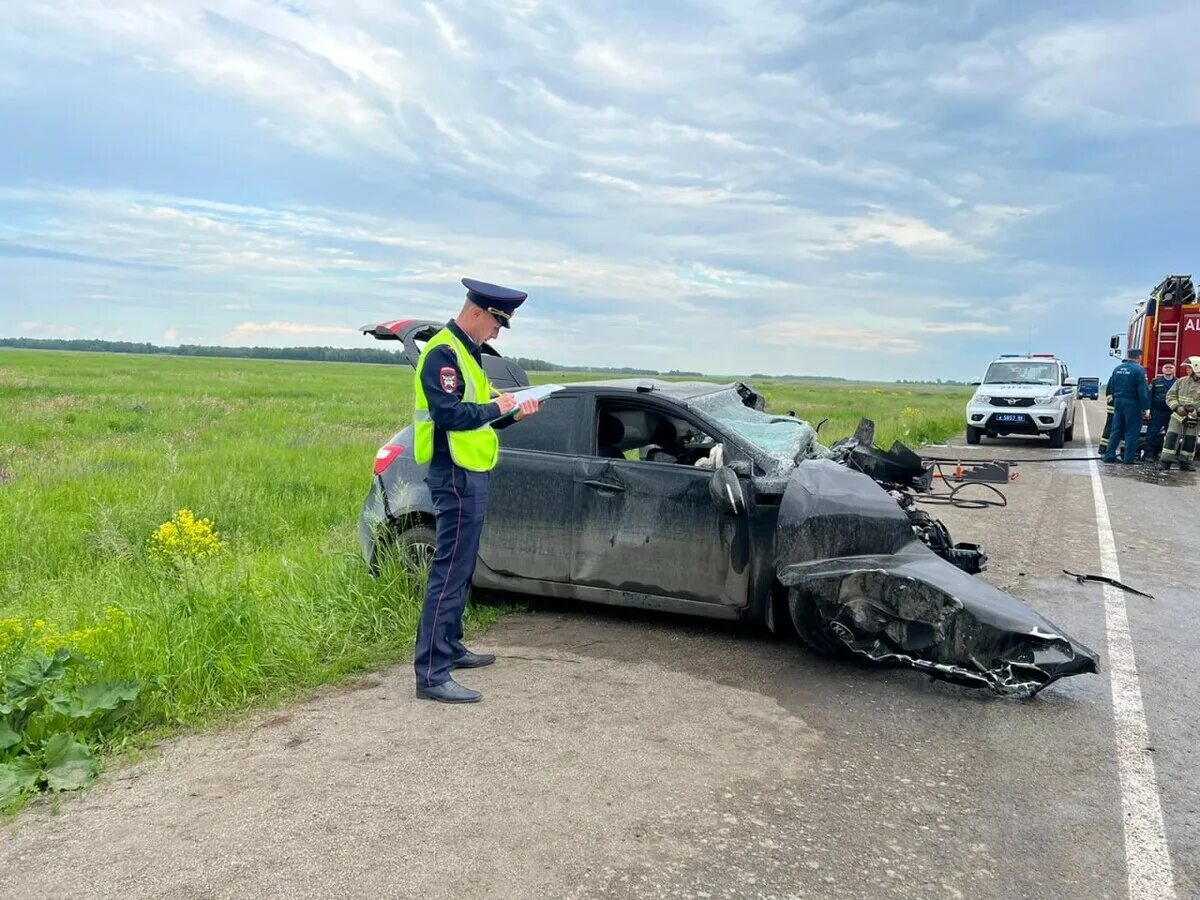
point(448, 377)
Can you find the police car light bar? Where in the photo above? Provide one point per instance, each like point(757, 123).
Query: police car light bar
point(1045, 355)
point(1009, 355)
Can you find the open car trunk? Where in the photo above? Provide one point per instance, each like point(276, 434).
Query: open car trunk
point(413, 334)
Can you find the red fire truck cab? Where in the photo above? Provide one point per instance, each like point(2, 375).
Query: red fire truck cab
point(1166, 325)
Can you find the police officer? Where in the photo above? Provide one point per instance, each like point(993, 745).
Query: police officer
point(454, 433)
point(1184, 401)
point(1160, 413)
point(1130, 397)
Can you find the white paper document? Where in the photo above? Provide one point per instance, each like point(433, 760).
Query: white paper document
point(540, 392)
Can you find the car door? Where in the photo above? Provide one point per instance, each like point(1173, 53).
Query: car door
point(529, 531)
point(652, 528)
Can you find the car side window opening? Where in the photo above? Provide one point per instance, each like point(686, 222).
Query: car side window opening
point(552, 430)
point(627, 431)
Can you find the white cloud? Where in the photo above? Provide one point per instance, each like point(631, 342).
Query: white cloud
point(645, 170)
point(447, 31)
point(248, 332)
point(964, 328)
point(814, 333)
point(48, 329)
point(906, 233)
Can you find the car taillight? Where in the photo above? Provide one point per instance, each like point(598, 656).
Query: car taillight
point(386, 455)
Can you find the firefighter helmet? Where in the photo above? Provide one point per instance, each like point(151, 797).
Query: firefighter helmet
point(1194, 363)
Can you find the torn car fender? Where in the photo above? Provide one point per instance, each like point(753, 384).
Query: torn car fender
point(860, 581)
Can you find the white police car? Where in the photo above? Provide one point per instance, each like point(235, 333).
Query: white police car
point(1024, 394)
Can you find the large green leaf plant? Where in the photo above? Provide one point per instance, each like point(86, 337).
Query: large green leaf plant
point(49, 724)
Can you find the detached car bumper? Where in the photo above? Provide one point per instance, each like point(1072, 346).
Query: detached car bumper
point(914, 608)
point(859, 581)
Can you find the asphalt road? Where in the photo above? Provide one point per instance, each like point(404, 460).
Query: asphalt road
point(627, 755)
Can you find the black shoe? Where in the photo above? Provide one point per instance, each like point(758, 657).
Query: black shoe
point(471, 660)
point(449, 692)
point(1165, 465)
point(1186, 467)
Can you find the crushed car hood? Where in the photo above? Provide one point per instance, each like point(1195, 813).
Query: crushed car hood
point(855, 570)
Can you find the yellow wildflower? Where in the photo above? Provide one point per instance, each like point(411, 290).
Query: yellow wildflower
point(12, 633)
point(184, 537)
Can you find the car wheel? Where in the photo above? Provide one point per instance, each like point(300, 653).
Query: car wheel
point(414, 548)
point(1056, 437)
point(1069, 434)
point(812, 631)
point(973, 434)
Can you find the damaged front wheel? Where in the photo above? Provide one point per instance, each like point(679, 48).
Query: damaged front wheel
point(812, 631)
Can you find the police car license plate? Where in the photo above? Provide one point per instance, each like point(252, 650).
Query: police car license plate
point(1010, 417)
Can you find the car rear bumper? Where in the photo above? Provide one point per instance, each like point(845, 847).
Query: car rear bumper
point(370, 523)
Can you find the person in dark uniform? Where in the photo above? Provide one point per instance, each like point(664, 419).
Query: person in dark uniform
point(456, 417)
point(1160, 413)
point(1131, 397)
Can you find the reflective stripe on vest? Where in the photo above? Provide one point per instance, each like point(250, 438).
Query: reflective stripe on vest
point(476, 449)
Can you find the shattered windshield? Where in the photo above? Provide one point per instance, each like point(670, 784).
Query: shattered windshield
point(781, 437)
point(1022, 373)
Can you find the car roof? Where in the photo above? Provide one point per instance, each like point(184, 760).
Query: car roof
point(1026, 357)
point(675, 390)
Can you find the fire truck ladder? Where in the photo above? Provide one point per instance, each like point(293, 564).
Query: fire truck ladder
point(1168, 346)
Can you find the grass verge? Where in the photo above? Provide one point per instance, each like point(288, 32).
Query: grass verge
point(97, 451)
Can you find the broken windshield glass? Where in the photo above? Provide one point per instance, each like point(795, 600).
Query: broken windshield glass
point(784, 438)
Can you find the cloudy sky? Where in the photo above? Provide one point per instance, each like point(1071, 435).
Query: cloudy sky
point(841, 187)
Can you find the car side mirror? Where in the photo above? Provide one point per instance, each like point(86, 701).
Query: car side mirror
point(1114, 345)
point(726, 492)
point(976, 383)
point(1071, 382)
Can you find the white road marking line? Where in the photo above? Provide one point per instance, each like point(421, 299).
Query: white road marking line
point(1147, 856)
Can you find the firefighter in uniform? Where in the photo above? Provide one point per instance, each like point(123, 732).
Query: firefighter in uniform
point(1130, 398)
point(1160, 413)
point(1108, 417)
point(1184, 401)
point(456, 419)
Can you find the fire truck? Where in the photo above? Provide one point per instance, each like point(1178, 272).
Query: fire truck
point(1166, 325)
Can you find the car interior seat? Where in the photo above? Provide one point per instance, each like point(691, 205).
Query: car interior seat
point(664, 442)
point(609, 435)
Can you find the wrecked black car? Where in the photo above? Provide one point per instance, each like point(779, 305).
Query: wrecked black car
point(689, 497)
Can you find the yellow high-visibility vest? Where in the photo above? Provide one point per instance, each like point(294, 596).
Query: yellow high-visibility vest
point(476, 449)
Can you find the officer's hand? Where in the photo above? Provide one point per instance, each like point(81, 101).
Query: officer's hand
point(506, 402)
point(528, 408)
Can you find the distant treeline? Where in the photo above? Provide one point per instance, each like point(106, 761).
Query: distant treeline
point(322, 354)
point(371, 355)
point(319, 354)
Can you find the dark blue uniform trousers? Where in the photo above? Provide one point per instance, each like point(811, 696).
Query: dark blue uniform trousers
point(1159, 420)
point(459, 503)
point(1127, 424)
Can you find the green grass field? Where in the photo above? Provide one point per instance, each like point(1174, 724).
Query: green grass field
point(98, 450)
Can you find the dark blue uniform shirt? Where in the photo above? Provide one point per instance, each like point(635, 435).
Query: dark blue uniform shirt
point(444, 389)
point(1158, 393)
point(1128, 382)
